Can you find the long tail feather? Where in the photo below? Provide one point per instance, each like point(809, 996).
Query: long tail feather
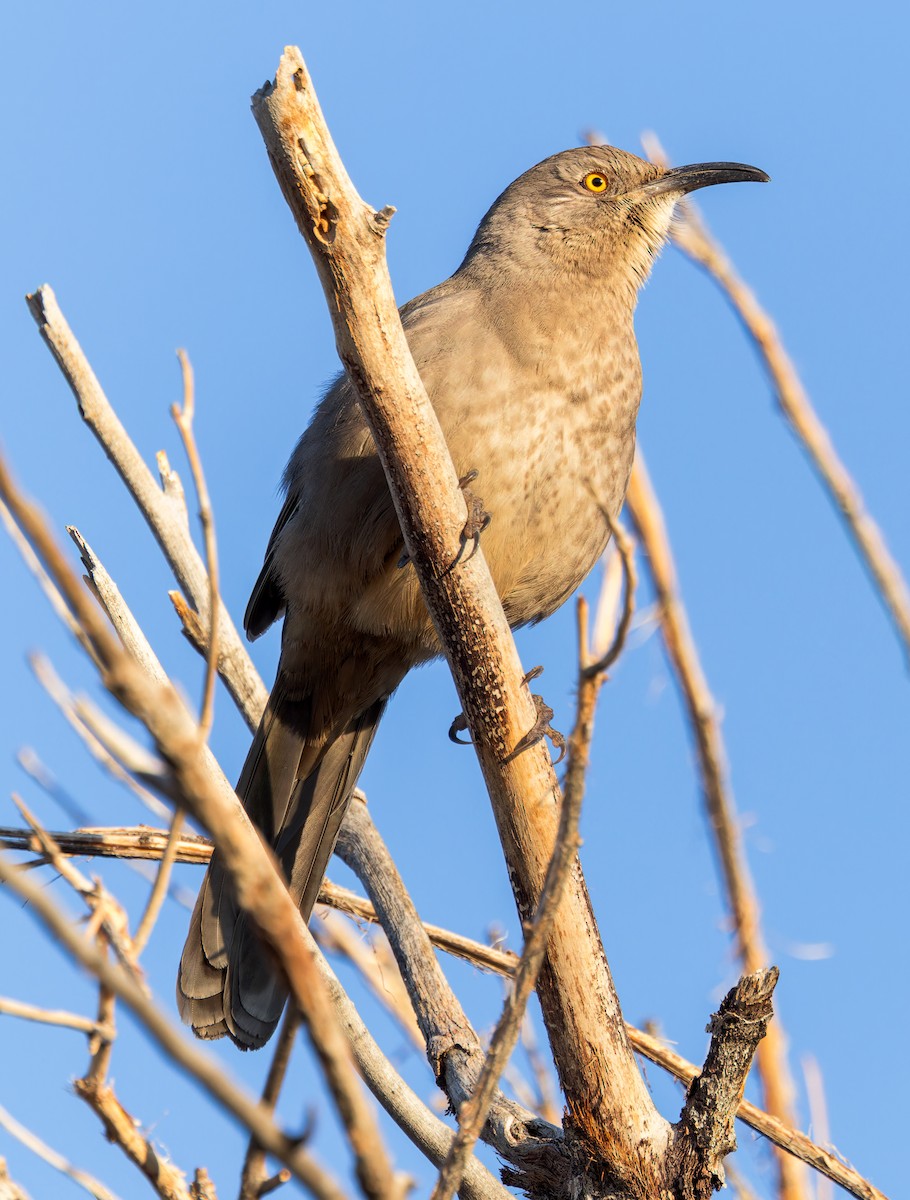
point(297, 793)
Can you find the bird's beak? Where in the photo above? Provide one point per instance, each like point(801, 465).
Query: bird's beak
point(699, 175)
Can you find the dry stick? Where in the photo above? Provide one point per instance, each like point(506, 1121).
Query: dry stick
point(48, 1016)
point(160, 886)
point(197, 850)
point(122, 1130)
point(257, 884)
point(107, 913)
point(373, 958)
point(771, 1061)
point(57, 1161)
point(472, 1114)
point(612, 1108)
point(693, 237)
point(31, 560)
point(79, 713)
point(183, 418)
point(705, 1131)
point(118, 612)
point(163, 508)
point(254, 1179)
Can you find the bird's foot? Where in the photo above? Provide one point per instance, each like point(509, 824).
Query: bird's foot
point(478, 520)
point(541, 727)
point(459, 725)
point(478, 517)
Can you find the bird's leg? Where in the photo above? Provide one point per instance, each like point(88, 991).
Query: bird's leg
point(478, 520)
point(541, 727)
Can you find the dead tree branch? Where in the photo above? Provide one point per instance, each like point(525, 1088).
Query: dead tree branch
point(596, 1065)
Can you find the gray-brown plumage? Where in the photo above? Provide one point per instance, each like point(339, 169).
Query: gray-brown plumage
point(529, 356)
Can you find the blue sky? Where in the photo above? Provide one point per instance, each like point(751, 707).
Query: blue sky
point(138, 187)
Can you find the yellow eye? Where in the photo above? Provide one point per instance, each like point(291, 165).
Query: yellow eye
point(595, 182)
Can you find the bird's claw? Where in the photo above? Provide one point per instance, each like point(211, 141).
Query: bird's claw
point(541, 727)
point(459, 725)
point(478, 517)
point(478, 520)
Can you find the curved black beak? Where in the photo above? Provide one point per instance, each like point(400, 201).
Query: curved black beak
point(699, 175)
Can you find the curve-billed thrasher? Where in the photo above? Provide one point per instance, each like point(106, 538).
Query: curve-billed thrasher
point(529, 357)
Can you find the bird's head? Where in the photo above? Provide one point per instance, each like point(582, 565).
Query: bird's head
point(593, 211)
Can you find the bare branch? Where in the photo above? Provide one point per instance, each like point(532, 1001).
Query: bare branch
point(57, 1161)
point(452, 1046)
point(692, 236)
point(123, 1130)
point(47, 1016)
point(254, 1176)
point(164, 510)
point(183, 418)
point(85, 719)
point(33, 563)
point(160, 886)
point(108, 595)
point(380, 1078)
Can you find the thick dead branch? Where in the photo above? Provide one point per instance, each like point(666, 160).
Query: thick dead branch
point(611, 1107)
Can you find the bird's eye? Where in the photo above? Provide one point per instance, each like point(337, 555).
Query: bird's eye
point(595, 182)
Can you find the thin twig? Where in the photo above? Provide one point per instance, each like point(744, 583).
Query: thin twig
point(254, 1175)
point(33, 563)
point(107, 912)
point(57, 1161)
point(160, 886)
point(163, 508)
point(48, 1016)
point(183, 418)
point(771, 1060)
point(85, 720)
point(692, 236)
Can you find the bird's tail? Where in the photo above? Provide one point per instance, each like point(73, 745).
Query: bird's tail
point(297, 794)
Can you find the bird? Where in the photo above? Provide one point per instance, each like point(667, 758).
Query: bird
point(529, 357)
